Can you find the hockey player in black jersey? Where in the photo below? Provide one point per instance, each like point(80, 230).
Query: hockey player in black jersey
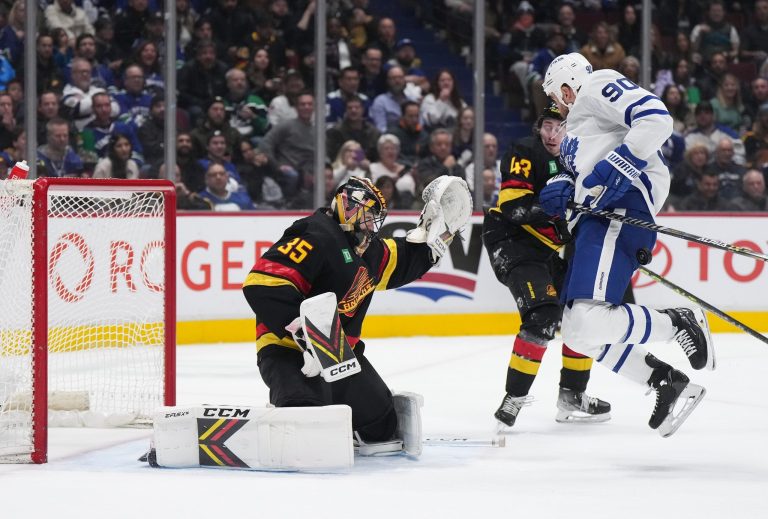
point(523, 243)
point(337, 250)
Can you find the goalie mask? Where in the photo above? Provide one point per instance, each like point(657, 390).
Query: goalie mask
point(568, 69)
point(359, 207)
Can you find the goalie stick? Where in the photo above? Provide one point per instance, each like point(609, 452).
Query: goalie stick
point(668, 231)
point(722, 315)
point(446, 441)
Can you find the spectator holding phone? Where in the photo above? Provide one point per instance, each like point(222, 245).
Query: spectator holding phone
point(350, 162)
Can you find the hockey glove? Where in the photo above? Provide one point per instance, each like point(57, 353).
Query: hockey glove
point(432, 230)
point(556, 194)
point(312, 367)
point(612, 177)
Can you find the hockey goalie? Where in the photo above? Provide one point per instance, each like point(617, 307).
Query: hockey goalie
point(310, 293)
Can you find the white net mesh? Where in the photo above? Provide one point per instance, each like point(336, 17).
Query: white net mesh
point(106, 332)
point(15, 315)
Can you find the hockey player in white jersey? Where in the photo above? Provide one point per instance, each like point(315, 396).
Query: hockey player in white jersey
point(611, 150)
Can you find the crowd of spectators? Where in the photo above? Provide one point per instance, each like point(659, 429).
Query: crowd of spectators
point(245, 116)
point(708, 65)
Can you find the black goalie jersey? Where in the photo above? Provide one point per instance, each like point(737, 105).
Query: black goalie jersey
point(525, 170)
point(315, 256)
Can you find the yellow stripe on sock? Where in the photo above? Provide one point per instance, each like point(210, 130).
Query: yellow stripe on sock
point(529, 367)
point(584, 364)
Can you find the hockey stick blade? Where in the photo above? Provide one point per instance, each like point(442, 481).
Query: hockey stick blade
point(716, 311)
point(445, 441)
point(668, 231)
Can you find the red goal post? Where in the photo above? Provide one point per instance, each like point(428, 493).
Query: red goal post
point(88, 314)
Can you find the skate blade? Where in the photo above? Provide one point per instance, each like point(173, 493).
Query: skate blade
point(701, 318)
point(689, 399)
point(502, 428)
point(579, 417)
point(389, 448)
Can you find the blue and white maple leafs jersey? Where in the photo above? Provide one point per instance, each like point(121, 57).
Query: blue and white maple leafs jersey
point(610, 110)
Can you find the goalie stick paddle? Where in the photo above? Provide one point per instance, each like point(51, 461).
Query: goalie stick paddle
point(668, 231)
point(722, 315)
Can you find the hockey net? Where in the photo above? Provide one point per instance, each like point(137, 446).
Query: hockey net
point(87, 313)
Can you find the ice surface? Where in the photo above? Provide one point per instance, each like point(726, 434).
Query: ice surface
point(715, 466)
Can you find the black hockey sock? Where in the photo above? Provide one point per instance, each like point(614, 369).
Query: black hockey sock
point(575, 372)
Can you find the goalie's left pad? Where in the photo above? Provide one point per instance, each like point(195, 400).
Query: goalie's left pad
point(447, 208)
point(408, 438)
point(261, 438)
point(325, 339)
point(408, 409)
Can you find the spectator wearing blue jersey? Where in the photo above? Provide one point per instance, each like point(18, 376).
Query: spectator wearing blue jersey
point(349, 87)
point(133, 100)
point(217, 192)
point(101, 74)
point(10, 44)
point(7, 72)
point(57, 158)
point(63, 51)
point(96, 134)
point(216, 152)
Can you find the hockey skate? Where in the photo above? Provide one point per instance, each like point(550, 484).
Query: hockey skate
point(385, 448)
point(510, 407)
point(676, 397)
point(576, 407)
point(693, 336)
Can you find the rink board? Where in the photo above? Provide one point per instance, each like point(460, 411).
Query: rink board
point(461, 296)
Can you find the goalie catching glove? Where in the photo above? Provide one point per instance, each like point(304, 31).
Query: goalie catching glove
point(448, 206)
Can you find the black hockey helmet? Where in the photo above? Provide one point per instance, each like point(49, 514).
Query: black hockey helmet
point(550, 112)
point(359, 206)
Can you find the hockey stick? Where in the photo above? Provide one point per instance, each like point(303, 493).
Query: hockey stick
point(496, 441)
point(722, 315)
point(666, 230)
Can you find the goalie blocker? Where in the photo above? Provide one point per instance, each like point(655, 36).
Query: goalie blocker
point(274, 438)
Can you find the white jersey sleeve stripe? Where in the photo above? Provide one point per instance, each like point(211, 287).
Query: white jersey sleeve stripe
point(641, 101)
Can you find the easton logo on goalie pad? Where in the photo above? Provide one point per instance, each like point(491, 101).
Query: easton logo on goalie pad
point(212, 435)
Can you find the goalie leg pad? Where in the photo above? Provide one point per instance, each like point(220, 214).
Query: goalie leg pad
point(282, 438)
point(408, 408)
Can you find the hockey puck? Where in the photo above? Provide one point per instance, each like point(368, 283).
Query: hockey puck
point(644, 256)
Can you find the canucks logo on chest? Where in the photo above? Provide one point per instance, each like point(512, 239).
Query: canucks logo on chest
point(361, 286)
point(568, 150)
